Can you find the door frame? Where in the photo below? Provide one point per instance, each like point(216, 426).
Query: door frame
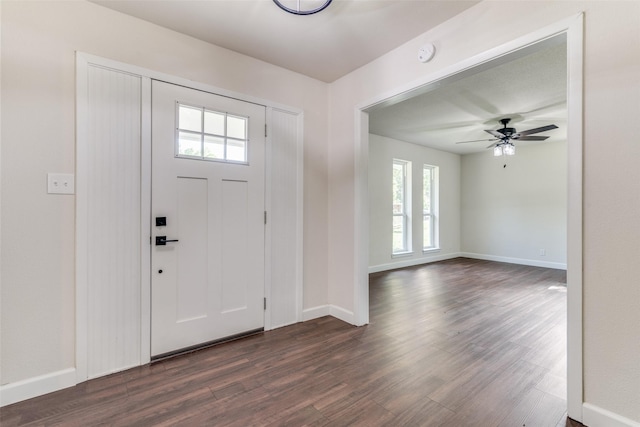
point(573, 28)
point(83, 61)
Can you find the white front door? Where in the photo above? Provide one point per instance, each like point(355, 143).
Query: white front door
point(208, 157)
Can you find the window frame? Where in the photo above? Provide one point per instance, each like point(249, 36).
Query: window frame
point(405, 213)
point(202, 135)
point(432, 214)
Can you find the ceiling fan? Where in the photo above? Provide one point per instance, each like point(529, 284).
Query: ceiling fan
point(505, 136)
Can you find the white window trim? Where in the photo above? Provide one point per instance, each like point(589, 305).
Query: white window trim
point(434, 214)
point(401, 254)
point(406, 210)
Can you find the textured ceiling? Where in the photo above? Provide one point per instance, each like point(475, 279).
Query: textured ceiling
point(531, 90)
point(326, 46)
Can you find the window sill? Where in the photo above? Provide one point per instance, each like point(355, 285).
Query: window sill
point(401, 254)
point(430, 250)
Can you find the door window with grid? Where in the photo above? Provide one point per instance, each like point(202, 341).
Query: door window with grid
point(211, 135)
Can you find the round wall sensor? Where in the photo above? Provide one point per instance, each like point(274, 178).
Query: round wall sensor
point(426, 52)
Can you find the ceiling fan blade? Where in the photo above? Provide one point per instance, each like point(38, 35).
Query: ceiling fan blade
point(475, 140)
point(494, 144)
point(495, 133)
point(532, 138)
point(537, 130)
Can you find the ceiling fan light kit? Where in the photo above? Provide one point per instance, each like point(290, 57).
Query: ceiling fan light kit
point(507, 149)
point(302, 7)
point(506, 136)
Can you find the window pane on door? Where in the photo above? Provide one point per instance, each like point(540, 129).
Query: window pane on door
point(236, 150)
point(237, 127)
point(190, 118)
point(213, 123)
point(189, 144)
point(213, 147)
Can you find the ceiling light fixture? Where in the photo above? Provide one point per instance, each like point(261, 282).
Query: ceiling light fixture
point(303, 7)
point(505, 148)
point(506, 136)
point(509, 149)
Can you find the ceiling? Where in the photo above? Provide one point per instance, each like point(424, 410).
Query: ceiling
point(325, 46)
point(528, 88)
point(531, 90)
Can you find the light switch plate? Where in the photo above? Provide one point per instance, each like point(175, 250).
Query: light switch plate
point(60, 183)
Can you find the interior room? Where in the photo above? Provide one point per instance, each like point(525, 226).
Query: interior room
point(103, 100)
point(490, 207)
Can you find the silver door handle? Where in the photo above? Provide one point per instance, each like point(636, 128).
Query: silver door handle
point(162, 240)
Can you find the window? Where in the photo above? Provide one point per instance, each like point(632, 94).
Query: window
point(429, 208)
point(210, 135)
point(401, 206)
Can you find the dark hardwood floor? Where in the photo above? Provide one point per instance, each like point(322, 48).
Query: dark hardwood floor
point(454, 343)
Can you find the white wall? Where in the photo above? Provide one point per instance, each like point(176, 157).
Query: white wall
point(512, 213)
point(39, 41)
point(487, 211)
point(611, 176)
point(382, 151)
point(38, 44)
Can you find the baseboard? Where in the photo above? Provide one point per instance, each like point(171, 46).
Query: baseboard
point(37, 386)
point(328, 310)
point(521, 261)
point(411, 262)
point(593, 416)
point(315, 312)
point(342, 314)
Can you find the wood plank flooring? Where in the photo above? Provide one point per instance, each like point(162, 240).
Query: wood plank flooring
point(455, 343)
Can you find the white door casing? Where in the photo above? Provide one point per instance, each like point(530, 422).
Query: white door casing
point(119, 318)
point(209, 284)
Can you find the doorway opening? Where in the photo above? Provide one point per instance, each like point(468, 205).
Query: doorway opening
point(572, 31)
